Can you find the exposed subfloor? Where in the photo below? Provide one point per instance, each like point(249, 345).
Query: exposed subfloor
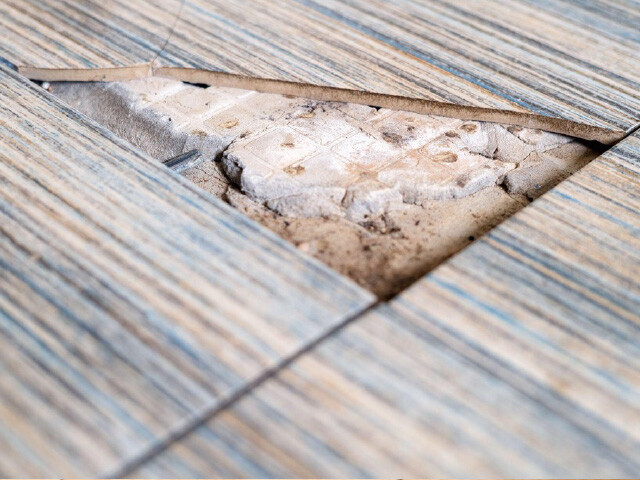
point(381, 196)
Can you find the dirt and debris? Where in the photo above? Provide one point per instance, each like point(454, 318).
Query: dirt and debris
point(380, 196)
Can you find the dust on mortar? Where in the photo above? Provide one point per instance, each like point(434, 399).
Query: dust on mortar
point(396, 231)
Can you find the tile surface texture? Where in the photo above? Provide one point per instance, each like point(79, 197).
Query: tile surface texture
point(565, 65)
point(120, 37)
point(518, 357)
point(130, 300)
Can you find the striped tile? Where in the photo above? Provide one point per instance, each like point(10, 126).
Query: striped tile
point(130, 300)
point(520, 357)
point(563, 59)
point(569, 66)
point(121, 37)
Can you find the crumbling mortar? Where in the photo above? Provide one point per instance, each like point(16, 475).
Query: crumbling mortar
point(145, 123)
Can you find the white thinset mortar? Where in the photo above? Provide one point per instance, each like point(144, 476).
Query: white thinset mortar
point(305, 158)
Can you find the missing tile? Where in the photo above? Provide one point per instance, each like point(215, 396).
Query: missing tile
point(381, 196)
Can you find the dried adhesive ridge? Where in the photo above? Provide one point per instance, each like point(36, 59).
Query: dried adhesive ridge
point(379, 195)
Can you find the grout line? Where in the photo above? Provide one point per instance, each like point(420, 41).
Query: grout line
point(164, 46)
point(606, 135)
point(207, 413)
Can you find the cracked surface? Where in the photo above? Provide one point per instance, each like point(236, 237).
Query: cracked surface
point(359, 162)
point(380, 195)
